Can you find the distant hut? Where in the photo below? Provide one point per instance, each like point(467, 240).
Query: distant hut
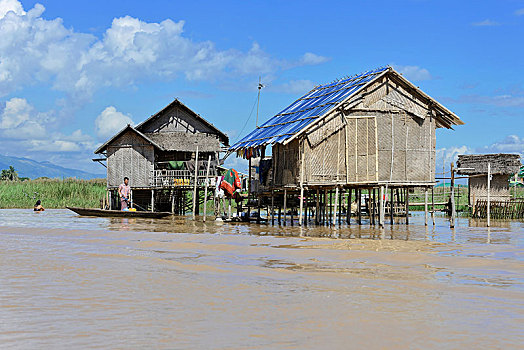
point(360, 132)
point(158, 156)
point(475, 166)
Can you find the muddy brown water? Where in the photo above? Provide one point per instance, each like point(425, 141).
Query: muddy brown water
point(80, 282)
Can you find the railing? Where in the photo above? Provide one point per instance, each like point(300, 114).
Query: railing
point(180, 178)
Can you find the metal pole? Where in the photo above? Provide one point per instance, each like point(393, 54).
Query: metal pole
point(205, 185)
point(195, 184)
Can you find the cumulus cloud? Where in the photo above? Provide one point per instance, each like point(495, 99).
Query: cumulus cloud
point(414, 73)
point(23, 127)
point(20, 120)
point(110, 121)
point(446, 155)
point(520, 12)
point(485, 23)
point(131, 50)
point(510, 144)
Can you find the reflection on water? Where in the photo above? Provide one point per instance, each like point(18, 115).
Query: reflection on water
point(71, 281)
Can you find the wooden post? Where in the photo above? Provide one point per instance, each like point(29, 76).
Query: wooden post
point(452, 222)
point(391, 204)
point(273, 207)
point(359, 205)
point(152, 200)
point(317, 210)
point(285, 205)
point(348, 210)
point(330, 215)
point(373, 207)
point(229, 209)
point(406, 199)
point(489, 195)
point(110, 196)
point(249, 190)
point(336, 204)
point(432, 205)
point(205, 185)
point(324, 211)
point(279, 214)
point(381, 207)
point(425, 206)
point(195, 184)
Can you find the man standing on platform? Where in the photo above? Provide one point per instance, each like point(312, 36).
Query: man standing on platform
point(123, 191)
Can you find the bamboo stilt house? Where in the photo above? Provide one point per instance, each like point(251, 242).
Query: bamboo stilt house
point(370, 129)
point(159, 154)
point(502, 166)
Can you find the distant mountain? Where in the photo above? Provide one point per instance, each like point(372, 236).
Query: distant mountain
point(31, 168)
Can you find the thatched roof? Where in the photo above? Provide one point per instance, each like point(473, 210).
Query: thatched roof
point(123, 131)
point(223, 137)
point(185, 142)
point(476, 164)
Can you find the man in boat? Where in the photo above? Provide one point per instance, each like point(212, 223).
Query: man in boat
point(123, 191)
point(38, 206)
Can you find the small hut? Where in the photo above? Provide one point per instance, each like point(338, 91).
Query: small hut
point(502, 166)
point(366, 131)
point(158, 156)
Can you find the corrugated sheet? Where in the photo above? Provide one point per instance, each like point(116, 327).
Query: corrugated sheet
point(305, 110)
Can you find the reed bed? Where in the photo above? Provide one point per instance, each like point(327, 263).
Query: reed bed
point(54, 193)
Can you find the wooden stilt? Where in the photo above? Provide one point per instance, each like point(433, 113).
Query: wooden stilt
point(425, 206)
point(452, 221)
point(432, 205)
point(317, 209)
point(195, 185)
point(272, 207)
point(359, 206)
point(325, 219)
point(392, 211)
point(152, 200)
point(348, 211)
point(285, 206)
point(381, 207)
point(406, 202)
point(205, 185)
point(335, 208)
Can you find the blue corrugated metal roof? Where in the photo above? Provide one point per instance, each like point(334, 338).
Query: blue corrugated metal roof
point(305, 110)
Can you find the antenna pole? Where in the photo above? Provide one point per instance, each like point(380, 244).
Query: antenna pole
point(260, 86)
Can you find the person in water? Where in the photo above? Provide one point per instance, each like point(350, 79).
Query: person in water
point(38, 206)
point(123, 191)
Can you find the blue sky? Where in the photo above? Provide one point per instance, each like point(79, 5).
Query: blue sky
point(73, 72)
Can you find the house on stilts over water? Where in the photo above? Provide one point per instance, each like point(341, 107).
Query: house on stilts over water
point(372, 132)
point(158, 156)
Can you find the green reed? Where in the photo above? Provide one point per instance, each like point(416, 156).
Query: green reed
point(54, 193)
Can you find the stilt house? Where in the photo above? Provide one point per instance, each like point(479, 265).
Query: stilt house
point(158, 156)
point(502, 166)
point(364, 131)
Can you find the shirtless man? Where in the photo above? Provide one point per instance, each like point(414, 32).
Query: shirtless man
point(123, 191)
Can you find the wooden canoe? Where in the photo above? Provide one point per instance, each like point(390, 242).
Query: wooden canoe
point(118, 213)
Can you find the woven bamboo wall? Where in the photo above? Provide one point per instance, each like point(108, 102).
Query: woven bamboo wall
point(499, 188)
point(286, 163)
point(129, 156)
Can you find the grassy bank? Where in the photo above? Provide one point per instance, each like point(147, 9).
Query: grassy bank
point(54, 193)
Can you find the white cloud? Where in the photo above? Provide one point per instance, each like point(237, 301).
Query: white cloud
point(311, 58)
point(20, 120)
point(34, 49)
point(511, 144)
point(519, 12)
point(111, 121)
point(485, 23)
point(413, 73)
point(446, 155)
point(7, 6)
